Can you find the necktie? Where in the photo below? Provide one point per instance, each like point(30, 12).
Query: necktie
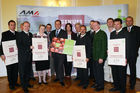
point(117, 33)
point(94, 32)
point(56, 33)
point(27, 34)
point(129, 29)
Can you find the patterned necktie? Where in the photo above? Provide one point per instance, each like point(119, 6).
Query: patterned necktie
point(128, 29)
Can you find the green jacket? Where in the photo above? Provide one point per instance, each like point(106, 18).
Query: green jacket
point(100, 45)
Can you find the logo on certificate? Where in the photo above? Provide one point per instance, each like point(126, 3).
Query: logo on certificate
point(39, 46)
point(78, 54)
point(11, 49)
point(116, 49)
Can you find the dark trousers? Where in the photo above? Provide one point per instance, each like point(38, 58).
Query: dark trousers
point(12, 73)
point(58, 64)
point(31, 72)
point(83, 74)
point(90, 66)
point(25, 65)
point(99, 73)
point(68, 68)
point(78, 73)
point(119, 77)
point(132, 66)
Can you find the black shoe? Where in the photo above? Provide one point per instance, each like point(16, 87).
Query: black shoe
point(62, 83)
point(17, 85)
point(76, 79)
point(45, 83)
point(39, 83)
point(85, 86)
point(32, 78)
point(132, 87)
point(30, 86)
point(80, 84)
point(99, 89)
point(113, 89)
point(94, 86)
point(122, 91)
point(12, 87)
point(26, 90)
point(56, 80)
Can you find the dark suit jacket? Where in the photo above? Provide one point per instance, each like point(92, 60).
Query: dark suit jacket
point(91, 36)
point(133, 41)
point(121, 34)
point(62, 34)
point(73, 36)
point(99, 46)
point(85, 41)
point(23, 43)
point(7, 36)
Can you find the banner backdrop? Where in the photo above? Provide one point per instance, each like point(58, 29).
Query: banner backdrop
point(37, 15)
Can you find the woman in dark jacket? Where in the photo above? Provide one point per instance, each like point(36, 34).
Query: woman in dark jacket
point(68, 61)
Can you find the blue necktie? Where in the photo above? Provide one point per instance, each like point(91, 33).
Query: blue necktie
point(56, 33)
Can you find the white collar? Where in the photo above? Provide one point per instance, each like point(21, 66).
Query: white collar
point(130, 27)
point(111, 31)
point(92, 30)
point(39, 34)
point(25, 32)
point(97, 31)
point(119, 30)
point(81, 36)
point(12, 31)
point(58, 30)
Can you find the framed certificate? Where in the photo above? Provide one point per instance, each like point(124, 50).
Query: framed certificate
point(79, 57)
point(116, 52)
point(40, 51)
point(10, 51)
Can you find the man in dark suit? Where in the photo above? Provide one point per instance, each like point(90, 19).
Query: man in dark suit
point(12, 70)
point(83, 39)
point(119, 72)
point(58, 58)
point(24, 42)
point(90, 33)
point(134, 43)
point(48, 31)
point(77, 29)
point(99, 51)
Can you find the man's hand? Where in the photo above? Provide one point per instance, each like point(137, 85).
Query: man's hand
point(87, 59)
point(100, 61)
point(31, 47)
point(3, 58)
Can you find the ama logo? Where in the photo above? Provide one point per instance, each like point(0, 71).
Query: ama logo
point(29, 13)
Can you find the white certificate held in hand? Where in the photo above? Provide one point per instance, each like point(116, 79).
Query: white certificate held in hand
point(40, 50)
point(10, 51)
point(116, 52)
point(79, 56)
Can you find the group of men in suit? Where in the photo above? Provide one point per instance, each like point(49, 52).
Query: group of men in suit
point(95, 42)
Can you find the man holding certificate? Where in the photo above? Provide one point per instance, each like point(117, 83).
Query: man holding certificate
point(83, 39)
point(12, 68)
point(119, 71)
